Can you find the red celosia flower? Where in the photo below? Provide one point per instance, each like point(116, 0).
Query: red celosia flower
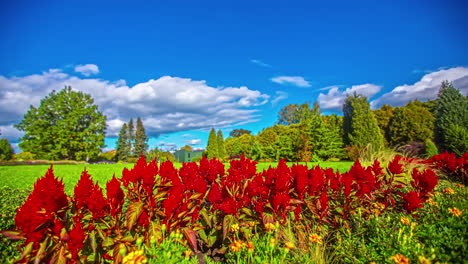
point(394, 166)
point(115, 196)
point(412, 201)
point(96, 203)
point(316, 181)
point(215, 196)
point(143, 220)
point(76, 241)
point(301, 178)
point(89, 196)
point(44, 209)
point(424, 181)
point(324, 200)
point(83, 189)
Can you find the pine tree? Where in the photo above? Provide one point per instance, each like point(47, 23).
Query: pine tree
point(131, 137)
point(451, 123)
point(212, 147)
point(359, 124)
point(123, 144)
point(221, 149)
point(140, 145)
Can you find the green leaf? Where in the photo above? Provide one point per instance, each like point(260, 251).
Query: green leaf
point(134, 211)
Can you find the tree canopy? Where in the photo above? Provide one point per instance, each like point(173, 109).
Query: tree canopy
point(212, 147)
point(141, 139)
point(66, 125)
point(239, 132)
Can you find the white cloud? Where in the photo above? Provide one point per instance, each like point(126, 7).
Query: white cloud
point(260, 63)
point(280, 95)
point(194, 141)
point(335, 97)
point(87, 69)
point(293, 80)
point(425, 89)
point(10, 133)
point(165, 105)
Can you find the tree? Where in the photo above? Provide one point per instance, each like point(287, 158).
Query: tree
point(66, 125)
point(131, 137)
point(359, 124)
point(267, 139)
point(383, 115)
point(187, 148)
point(140, 145)
point(221, 149)
point(212, 147)
point(239, 132)
point(413, 122)
point(6, 151)
point(295, 114)
point(451, 120)
point(123, 144)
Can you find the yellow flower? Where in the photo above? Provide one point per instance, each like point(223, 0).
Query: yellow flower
point(187, 253)
point(272, 242)
point(270, 226)
point(237, 246)
point(250, 246)
point(449, 191)
point(423, 260)
point(379, 206)
point(431, 202)
point(400, 259)
point(455, 212)
point(289, 245)
point(314, 238)
point(235, 227)
point(405, 220)
point(135, 257)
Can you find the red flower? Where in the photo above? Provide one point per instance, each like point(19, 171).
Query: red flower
point(301, 178)
point(394, 166)
point(89, 196)
point(412, 201)
point(316, 181)
point(115, 196)
point(424, 181)
point(76, 242)
point(215, 196)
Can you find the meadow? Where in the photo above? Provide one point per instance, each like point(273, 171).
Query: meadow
point(404, 211)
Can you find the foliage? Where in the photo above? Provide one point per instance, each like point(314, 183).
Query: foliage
point(140, 145)
point(324, 139)
point(430, 148)
point(221, 149)
point(239, 132)
point(187, 148)
point(107, 156)
point(160, 156)
point(413, 122)
point(451, 120)
point(412, 149)
point(204, 202)
point(131, 136)
point(384, 115)
point(212, 147)
point(6, 151)
point(359, 124)
point(295, 114)
point(66, 125)
point(124, 147)
point(24, 156)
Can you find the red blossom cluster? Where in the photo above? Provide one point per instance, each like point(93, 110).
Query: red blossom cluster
point(155, 196)
point(455, 168)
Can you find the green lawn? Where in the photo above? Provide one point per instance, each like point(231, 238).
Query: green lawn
point(24, 176)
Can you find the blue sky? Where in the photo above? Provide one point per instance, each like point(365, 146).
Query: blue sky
point(187, 66)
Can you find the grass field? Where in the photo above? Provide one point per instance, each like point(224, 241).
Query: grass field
point(24, 176)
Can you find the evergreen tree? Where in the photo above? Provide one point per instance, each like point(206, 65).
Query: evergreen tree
point(140, 145)
point(384, 115)
point(131, 137)
point(212, 147)
point(359, 124)
point(451, 120)
point(413, 122)
point(66, 125)
point(221, 149)
point(6, 151)
point(123, 144)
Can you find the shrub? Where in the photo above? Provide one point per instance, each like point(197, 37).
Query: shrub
point(430, 148)
point(24, 156)
point(6, 151)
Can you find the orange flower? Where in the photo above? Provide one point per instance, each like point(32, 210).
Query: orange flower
point(405, 220)
point(289, 245)
point(237, 246)
point(250, 246)
point(431, 202)
point(455, 212)
point(460, 185)
point(314, 238)
point(379, 206)
point(449, 191)
point(270, 226)
point(400, 259)
point(135, 257)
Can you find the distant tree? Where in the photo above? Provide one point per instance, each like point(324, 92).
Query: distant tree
point(187, 148)
point(245, 143)
point(6, 151)
point(451, 120)
point(161, 156)
point(267, 140)
point(295, 114)
point(123, 150)
point(413, 122)
point(212, 147)
point(359, 124)
point(140, 145)
point(221, 149)
point(383, 115)
point(66, 125)
point(131, 137)
point(256, 151)
point(239, 132)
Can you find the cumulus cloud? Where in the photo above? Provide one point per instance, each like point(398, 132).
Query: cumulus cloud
point(334, 99)
point(87, 69)
point(194, 141)
point(425, 89)
point(280, 95)
point(165, 105)
point(260, 63)
point(292, 80)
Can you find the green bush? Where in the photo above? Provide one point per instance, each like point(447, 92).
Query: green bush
point(6, 151)
point(24, 156)
point(430, 148)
